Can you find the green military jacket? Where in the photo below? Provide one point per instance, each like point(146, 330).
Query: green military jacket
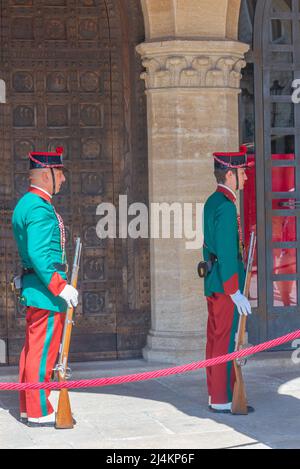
point(221, 238)
point(37, 232)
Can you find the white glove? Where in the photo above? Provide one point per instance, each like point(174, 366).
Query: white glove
point(70, 295)
point(242, 304)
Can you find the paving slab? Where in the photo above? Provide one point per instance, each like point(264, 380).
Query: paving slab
point(165, 413)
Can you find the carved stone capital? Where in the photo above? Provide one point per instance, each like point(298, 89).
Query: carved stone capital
point(193, 64)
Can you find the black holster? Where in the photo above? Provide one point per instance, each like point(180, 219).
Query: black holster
point(205, 267)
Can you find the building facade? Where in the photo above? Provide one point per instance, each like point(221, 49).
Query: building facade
point(140, 94)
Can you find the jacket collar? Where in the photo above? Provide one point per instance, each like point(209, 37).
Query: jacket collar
point(227, 192)
point(41, 193)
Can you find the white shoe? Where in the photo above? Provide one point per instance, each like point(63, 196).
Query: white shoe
point(221, 408)
point(23, 417)
point(48, 421)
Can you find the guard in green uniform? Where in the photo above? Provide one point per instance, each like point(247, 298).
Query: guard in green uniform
point(225, 280)
point(40, 236)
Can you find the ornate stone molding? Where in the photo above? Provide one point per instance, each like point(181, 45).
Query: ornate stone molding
point(193, 64)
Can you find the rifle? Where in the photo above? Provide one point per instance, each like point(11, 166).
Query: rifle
point(64, 418)
point(239, 401)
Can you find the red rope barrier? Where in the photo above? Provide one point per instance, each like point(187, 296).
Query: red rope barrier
point(93, 383)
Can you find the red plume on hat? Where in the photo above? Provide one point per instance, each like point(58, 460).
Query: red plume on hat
point(244, 149)
point(59, 150)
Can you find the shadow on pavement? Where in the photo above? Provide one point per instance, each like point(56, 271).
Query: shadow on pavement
point(179, 404)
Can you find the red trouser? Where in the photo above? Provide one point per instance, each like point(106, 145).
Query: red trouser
point(43, 334)
point(221, 329)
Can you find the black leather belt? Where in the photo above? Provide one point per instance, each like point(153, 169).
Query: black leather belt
point(59, 267)
point(213, 258)
point(27, 271)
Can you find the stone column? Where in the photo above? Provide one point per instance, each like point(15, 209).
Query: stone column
point(192, 92)
point(2, 92)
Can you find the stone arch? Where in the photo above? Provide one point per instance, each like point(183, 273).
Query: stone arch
point(193, 18)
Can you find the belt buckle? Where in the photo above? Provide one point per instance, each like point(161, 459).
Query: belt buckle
point(12, 285)
point(16, 284)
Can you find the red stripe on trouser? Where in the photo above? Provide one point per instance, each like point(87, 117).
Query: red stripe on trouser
point(32, 354)
point(220, 332)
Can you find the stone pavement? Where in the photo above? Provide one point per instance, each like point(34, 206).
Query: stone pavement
point(168, 413)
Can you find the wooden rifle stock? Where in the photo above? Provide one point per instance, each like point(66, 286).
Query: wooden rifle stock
point(64, 418)
point(239, 401)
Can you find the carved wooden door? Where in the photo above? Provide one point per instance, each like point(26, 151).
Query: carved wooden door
point(62, 62)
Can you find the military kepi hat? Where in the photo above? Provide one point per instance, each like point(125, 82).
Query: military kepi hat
point(40, 160)
point(232, 160)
